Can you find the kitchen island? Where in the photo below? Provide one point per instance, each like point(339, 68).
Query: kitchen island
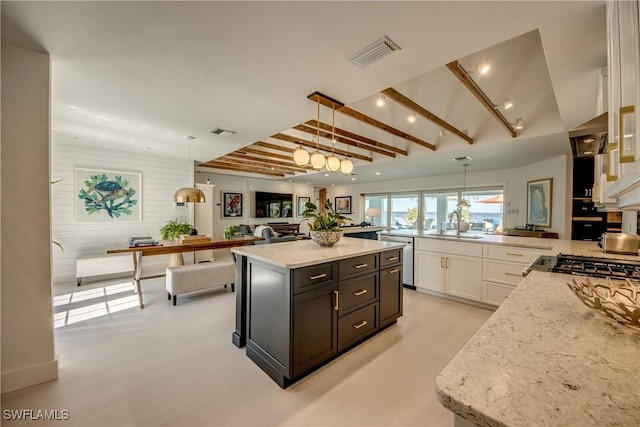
point(299, 305)
point(545, 359)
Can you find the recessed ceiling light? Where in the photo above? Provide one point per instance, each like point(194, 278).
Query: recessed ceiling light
point(147, 148)
point(412, 118)
point(380, 101)
point(507, 103)
point(332, 185)
point(290, 181)
point(483, 68)
point(353, 179)
point(377, 173)
point(519, 125)
point(326, 174)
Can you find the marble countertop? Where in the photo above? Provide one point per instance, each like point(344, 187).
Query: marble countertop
point(545, 359)
point(303, 253)
point(554, 246)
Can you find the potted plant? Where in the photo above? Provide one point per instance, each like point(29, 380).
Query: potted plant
point(175, 228)
point(229, 232)
point(325, 227)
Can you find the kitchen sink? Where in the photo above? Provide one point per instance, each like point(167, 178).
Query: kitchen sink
point(453, 236)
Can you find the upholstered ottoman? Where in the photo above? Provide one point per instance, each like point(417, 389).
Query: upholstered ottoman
point(183, 279)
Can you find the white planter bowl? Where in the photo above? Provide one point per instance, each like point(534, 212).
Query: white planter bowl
point(326, 238)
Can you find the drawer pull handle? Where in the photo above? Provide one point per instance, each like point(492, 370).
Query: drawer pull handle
point(512, 254)
point(514, 274)
point(392, 258)
point(360, 265)
point(394, 271)
point(360, 325)
point(362, 292)
point(336, 307)
point(441, 262)
point(318, 276)
point(446, 262)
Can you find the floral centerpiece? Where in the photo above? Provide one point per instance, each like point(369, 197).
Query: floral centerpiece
point(324, 226)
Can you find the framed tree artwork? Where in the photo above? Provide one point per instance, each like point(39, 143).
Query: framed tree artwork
point(107, 196)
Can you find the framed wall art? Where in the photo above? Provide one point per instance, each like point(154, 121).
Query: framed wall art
point(343, 204)
point(107, 196)
point(232, 206)
point(539, 194)
point(301, 204)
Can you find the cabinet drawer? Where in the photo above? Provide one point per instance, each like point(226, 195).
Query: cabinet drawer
point(357, 325)
point(357, 292)
point(307, 278)
point(447, 246)
point(389, 258)
point(355, 266)
point(503, 272)
point(495, 293)
point(512, 253)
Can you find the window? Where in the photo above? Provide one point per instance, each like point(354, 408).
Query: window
point(432, 210)
point(404, 211)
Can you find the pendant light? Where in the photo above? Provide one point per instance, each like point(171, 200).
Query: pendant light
point(189, 194)
point(317, 159)
point(301, 156)
point(333, 163)
point(346, 166)
point(464, 203)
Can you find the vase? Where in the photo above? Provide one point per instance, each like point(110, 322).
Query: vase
point(326, 238)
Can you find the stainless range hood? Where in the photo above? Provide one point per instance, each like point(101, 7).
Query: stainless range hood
point(590, 138)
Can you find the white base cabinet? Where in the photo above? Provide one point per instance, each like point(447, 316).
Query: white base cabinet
point(456, 272)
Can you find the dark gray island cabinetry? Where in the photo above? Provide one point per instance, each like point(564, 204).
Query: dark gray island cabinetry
point(300, 305)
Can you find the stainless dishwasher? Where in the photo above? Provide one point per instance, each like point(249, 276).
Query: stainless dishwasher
point(407, 256)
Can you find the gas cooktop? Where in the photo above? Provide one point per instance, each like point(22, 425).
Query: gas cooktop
point(588, 266)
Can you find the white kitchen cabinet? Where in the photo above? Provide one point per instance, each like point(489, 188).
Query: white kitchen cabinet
point(429, 270)
point(457, 272)
point(495, 293)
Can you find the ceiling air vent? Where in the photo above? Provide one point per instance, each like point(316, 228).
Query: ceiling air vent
point(374, 52)
point(222, 132)
point(460, 159)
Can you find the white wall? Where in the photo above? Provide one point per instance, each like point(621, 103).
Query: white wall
point(514, 180)
point(28, 356)
point(161, 177)
point(248, 187)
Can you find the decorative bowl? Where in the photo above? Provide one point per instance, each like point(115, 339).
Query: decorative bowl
point(618, 300)
point(326, 238)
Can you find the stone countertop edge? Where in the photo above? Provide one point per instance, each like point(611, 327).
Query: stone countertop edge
point(303, 253)
point(544, 358)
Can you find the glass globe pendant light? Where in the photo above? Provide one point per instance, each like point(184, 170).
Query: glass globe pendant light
point(346, 166)
point(317, 159)
point(301, 156)
point(464, 203)
point(333, 163)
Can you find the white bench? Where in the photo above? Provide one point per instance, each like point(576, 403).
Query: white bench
point(196, 277)
point(104, 264)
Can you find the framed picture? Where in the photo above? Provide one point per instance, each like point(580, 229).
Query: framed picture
point(301, 202)
point(107, 196)
point(539, 194)
point(231, 204)
point(343, 204)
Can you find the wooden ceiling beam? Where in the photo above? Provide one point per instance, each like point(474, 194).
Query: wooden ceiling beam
point(216, 165)
point(268, 163)
point(321, 147)
point(470, 84)
point(396, 96)
point(328, 135)
point(252, 165)
point(288, 158)
point(347, 111)
point(356, 137)
point(273, 146)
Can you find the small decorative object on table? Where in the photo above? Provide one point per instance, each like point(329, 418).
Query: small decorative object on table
point(619, 300)
point(229, 232)
point(325, 229)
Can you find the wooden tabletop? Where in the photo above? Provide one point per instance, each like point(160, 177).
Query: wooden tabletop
point(171, 247)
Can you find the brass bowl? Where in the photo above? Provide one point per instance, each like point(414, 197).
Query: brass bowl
point(617, 299)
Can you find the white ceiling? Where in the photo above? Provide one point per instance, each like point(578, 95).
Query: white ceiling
point(130, 75)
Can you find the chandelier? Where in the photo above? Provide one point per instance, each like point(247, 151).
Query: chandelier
point(317, 160)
